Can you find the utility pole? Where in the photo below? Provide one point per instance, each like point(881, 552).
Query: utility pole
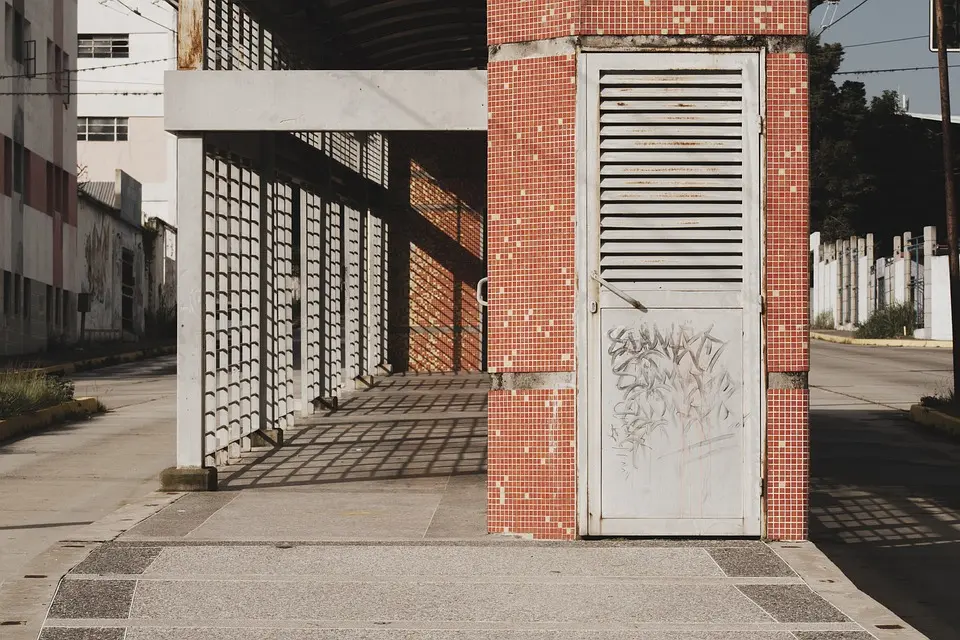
point(952, 258)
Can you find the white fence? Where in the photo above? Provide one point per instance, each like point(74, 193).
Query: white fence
point(847, 283)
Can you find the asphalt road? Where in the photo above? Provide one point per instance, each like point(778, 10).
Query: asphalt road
point(58, 480)
point(885, 493)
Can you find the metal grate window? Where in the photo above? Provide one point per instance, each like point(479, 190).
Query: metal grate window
point(102, 129)
point(672, 176)
point(110, 45)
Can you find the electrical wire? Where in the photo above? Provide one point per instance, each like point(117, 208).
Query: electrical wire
point(844, 15)
point(136, 12)
point(108, 66)
point(870, 44)
point(868, 71)
point(81, 93)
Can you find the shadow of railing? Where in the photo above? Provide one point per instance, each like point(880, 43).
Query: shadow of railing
point(369, 438)
point(885, 507)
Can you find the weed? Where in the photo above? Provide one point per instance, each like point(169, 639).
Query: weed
point(25, 391)
point(824, 320)
point(889, 322)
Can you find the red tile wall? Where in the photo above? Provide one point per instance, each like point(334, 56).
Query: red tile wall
point(531, 238)
point(787, 209)
point(444, 320)
point(787, 464)
point(677, 17)
point(531, 209)
point(532, 466)
point(526, 20)
point(787, 293)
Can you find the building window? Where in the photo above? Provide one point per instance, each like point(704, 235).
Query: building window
point(7, 292)
point(102, 129)
point(27, 293)
point(109, 45)
point(17, 293)
point(48, 309)
point(19, 37)
point(19, 168)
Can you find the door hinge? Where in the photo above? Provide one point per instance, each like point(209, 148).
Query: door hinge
point(763, 305)
point(763, 487)
point(763, 125)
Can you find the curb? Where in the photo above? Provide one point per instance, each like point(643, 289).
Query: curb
point(106, 361)
point(935, 419)
point(878, 342)
point(19, 425)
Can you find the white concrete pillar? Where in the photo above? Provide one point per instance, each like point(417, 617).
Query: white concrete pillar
point(907, 267)
point(838, 307)
point(929, 250)
point(191, 289)
point(854, 279)
point(872, 276)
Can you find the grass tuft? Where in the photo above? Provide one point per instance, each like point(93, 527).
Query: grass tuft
point(889, 322)
point(25, 391)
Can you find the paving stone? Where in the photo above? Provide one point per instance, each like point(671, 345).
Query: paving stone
point(91, 599)
point(352, 562)
point(155, 633)
point(82, 633)
point(260, 516)
point(792, 603)
point(833, 635)
point(114, 559)
point(759, 561)
point(495, 601)
point(183, 516)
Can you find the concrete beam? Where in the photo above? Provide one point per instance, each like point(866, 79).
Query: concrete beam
point(200, 101)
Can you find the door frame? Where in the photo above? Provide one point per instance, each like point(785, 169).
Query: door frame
point(586, 324)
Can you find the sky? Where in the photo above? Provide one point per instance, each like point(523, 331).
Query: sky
point(888, 20)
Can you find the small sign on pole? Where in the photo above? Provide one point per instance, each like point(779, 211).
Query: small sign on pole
point(951, 25)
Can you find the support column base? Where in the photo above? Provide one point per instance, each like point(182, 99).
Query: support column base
point(267, 438)
point(188, 479)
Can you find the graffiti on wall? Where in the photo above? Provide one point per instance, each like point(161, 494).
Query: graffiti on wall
point(672, 381)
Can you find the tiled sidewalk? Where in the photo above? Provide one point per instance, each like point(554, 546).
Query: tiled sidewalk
point(369, 524)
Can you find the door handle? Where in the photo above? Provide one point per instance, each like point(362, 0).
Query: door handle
point(619, 293)
point(480, 297)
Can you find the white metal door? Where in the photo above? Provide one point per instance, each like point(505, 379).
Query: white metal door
point(673, 146)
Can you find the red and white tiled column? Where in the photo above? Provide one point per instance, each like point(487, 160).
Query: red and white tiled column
point(532, 472)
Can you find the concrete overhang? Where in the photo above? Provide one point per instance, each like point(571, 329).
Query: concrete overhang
point(198, 101)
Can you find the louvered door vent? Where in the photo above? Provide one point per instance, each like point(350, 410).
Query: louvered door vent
point(672, 177)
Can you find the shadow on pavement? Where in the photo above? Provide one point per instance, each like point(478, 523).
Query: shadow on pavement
point(885, 508)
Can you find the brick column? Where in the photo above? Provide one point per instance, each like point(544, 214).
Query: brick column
point(531, 220)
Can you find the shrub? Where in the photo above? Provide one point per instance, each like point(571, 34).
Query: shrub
point(889, 322)
point(824, 320)
point(25, 391)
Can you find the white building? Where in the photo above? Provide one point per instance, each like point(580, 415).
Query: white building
point(38, 181)
point(124, 47)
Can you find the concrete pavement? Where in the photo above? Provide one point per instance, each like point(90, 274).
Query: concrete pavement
point(369, 524)
point(885, 499)
point(54, 482)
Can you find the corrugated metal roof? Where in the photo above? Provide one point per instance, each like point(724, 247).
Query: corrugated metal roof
point(102, 192)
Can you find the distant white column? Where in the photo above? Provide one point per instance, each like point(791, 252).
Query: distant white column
point(872, 276)
point(929, 249)
point(191, 289)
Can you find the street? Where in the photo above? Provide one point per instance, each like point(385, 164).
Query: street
point(56, 481)
point(886, 493)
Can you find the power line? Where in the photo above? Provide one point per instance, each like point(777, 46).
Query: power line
point(108, 66)
point(137, 13)
point(844, 15)
point(866, 71)
point(81, 93)
point(870, 44)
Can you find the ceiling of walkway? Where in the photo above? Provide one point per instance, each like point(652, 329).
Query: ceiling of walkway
point(380, 34)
